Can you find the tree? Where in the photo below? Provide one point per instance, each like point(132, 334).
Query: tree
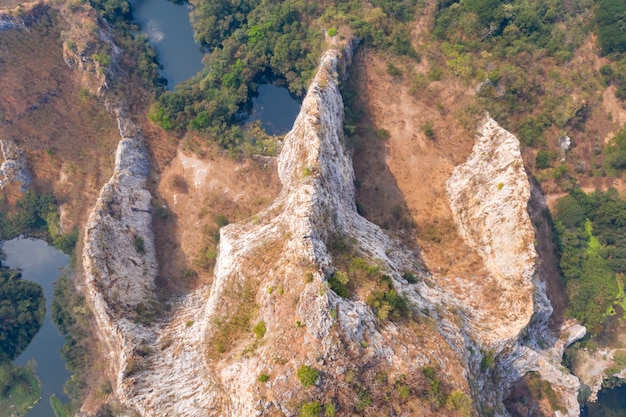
point(22, 310)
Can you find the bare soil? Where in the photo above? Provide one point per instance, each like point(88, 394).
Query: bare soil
point(401, 180)
point(203, 189)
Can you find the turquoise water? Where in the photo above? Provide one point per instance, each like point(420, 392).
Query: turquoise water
point(42, 264)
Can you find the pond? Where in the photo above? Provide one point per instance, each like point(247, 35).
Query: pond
point(275, 108)
point(168, 29)
point(611, 403)
point(42, 264)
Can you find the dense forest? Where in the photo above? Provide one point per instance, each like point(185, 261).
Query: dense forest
point(22, 309)
point(592, 248)
point(254, 41)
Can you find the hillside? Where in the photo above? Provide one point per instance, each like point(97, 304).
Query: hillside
point(433, 236)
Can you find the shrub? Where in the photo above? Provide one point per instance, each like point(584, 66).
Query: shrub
point(338, 282)
point(382, 133)
point(410, 277)
point(260, 329)
point(179, 183)
point(542, 161)
point(332, 32)
point(393, 70)
point(487, 361)
point(329, 409)
point(264, 378)
point(307, 375)
point(310, 409)
point(460, 402)
point(140, 245)
point(427, 128)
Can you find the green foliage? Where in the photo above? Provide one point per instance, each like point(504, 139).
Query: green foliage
point(307, 375)
point(140, 245)
point(393, 70)
point(19, 389)
point(487, 361)
point(461, 403)
point(427, 128)
point(60, 409)
point(264, 378)
point(363, 400)
point(251, 40)
point(73, 319)
point(22, 310)
point(615, 153)
point(610, 18)
point(592, 252)
point(434, 392)
point(338, 282)
point(386, 302)
point(540, 389)
point(260, 329)
point(543, 159)
point(310, 409)
point(619, 357)
point(329, 409)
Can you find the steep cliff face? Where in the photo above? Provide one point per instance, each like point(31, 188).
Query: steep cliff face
point(489, 195)
point(270, 309)
point(118, 257)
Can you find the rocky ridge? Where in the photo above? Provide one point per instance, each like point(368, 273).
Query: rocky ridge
point(170, 367)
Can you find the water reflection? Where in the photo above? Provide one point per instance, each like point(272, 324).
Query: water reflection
point(41, 263)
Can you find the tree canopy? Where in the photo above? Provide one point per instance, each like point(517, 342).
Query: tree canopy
point(22, 310)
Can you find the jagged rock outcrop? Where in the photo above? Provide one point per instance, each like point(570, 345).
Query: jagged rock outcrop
point(119, 259)
point(489, 195)
point(14, 169)
point(203, 359)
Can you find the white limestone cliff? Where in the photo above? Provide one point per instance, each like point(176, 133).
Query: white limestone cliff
point(171, 366)
point(489, 195)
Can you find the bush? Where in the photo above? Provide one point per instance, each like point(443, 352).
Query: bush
point(310, 409)
point(264, 378)
point(332, 32)
point(393, 70)
point(487, 361)
point(307, 375)
point(259, 329)
point(338, 282)
point(542, 161)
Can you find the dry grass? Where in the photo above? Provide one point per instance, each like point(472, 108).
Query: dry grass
point(70, 141)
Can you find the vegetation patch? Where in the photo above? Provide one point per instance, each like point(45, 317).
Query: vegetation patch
point(19, 389)
point(231, 327)
point(307, 375)
point(592, 251)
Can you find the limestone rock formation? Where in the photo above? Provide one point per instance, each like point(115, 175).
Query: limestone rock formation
point(204, 358)
point(14, 169)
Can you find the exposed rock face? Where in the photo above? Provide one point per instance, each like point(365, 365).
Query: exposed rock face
point(489, 196)
point(118, 257)
point(205, 360)
point(14, 168)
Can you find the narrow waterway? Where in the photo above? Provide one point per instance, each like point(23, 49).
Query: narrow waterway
point(168, 29)
point(42, 264)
